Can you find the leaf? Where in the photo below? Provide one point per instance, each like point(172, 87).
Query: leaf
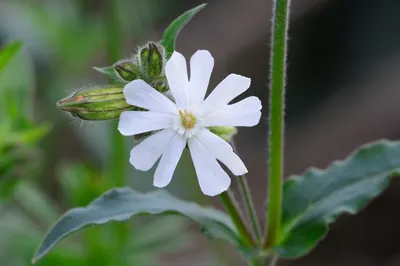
point(30, 135)
point(111, 73)
point(122, 203)
point(314, 200)
point(7, 53)
point(165, 234)
point(170, 34)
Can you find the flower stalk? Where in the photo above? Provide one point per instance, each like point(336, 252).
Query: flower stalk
point(276, 119)
point(248, 202)
point(232, 207)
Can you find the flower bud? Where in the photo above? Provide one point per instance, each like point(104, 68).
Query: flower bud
point(151, 60)
point(96, 104)
point(226, 133)
point(126, 69)
point(161, 86)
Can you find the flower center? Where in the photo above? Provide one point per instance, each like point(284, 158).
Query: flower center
point(188, 120)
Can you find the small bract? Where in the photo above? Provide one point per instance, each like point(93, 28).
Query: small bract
point(185, 121)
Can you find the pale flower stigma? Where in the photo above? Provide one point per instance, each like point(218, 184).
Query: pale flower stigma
point(187, 119)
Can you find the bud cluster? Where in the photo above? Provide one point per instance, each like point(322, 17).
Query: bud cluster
point(147, 65)
point(108, 102)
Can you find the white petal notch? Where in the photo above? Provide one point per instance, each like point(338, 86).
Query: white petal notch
point(213, 180)
point(222, 151)
point(245, 113)
point(144, 155)
point(183, 122)
point(169, 161)
point(231, 87)
point(201, 66)
point(177, 76)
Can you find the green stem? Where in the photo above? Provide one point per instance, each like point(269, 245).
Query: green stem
point(276, 119)
point(231, 206)
point(114, 40)
point(265, 260)
point(248, 202)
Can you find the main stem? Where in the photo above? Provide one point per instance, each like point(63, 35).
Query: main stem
point(231, 206)
point(276, 119)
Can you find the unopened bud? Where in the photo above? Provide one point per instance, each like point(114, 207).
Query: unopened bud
point(161, 86)
point(151, 60)
point(226, 133)
point(126, 69)
point(96, 104)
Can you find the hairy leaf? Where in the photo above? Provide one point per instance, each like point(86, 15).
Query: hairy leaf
point(122, 203)
point(175, 27)
point(315, 199)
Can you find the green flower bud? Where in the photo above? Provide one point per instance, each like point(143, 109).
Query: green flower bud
point(161, 86)
point(126, 69)
point(151, 60)
point(226, 133)
point(96, 104)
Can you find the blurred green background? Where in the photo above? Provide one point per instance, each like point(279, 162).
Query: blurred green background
point(343, 91)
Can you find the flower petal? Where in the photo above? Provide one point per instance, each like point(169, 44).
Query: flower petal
point(169, 160)
point(176, 72)
point(146, 153)
point(232, 86)
point(213, 180)
point(201, 66)
point(245, 113)
point(222, 151)
point(139, 93)
point(137, 122)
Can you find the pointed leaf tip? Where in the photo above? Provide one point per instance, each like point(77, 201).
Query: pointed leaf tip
point(171, 33)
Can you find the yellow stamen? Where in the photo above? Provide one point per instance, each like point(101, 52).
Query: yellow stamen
point(188, 120)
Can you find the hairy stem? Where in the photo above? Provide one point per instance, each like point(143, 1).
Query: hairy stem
point(248, 202)
point(276, 119)
point(231, 206)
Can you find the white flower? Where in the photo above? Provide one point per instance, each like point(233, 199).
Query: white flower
point(185, 121)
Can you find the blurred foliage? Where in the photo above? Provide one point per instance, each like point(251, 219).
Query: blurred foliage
point(18, 134)
point(32, 213)
point(62, 40)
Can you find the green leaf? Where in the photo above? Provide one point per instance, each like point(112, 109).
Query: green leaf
point(165, 234)
point(175, 27)
point(30, 135)
point(122, 203)
point(314, 200)
point(111, 73)
point(7, 53)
